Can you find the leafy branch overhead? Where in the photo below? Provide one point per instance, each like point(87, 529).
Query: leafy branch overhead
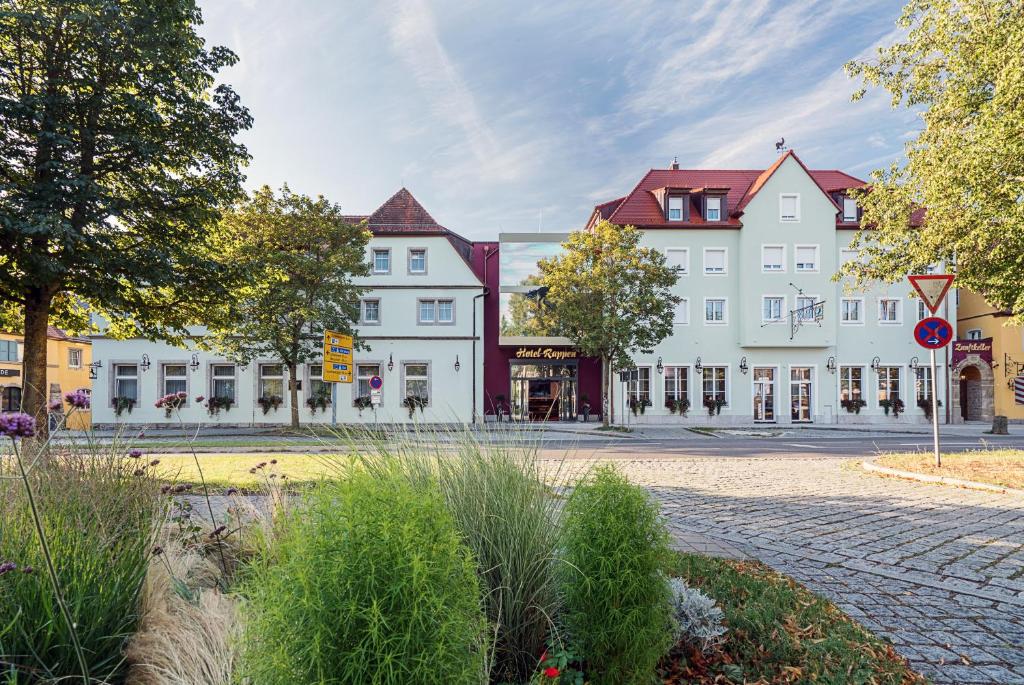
point(959, 198)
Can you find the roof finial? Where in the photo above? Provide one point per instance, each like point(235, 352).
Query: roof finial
point(674, 166)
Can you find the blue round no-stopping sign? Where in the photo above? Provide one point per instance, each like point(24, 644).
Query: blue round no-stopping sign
point(933, 333)
point(376, 383)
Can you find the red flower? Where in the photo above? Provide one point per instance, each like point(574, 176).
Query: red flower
point(551, 672)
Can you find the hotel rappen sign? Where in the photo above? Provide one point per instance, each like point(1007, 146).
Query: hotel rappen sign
point(545, 353)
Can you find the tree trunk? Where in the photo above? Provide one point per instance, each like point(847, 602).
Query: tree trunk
point(34, 388)
point(293, 387)
point(605, 398)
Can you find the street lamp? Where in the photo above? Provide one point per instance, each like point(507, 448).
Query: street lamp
point(831, 365)
point(660, 367)
point(391, 363)
point(457, 364)
point(195, 362)
point(698, 367)
point(914, 363)
point(875, 363)
point(145, 362)
point(743, 365)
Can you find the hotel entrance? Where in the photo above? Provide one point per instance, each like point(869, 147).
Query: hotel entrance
point(543, 391)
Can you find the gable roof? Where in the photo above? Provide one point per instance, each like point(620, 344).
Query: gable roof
point(641, 207)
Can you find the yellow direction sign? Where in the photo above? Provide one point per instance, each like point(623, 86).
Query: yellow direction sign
point(337, 357)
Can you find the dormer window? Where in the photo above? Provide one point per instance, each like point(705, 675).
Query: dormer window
point(675, 208)
point(849, 210)
point(713, 209)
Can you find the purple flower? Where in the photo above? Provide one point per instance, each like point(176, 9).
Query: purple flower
point(79, 399)
point(7, 567)
point(17, 425)
point(154, 462)
point(200, 398)
point(56, 405)
point(181, 394)
point(135, 454)
point(159, 403)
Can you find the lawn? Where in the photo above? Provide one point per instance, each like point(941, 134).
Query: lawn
point(243, 470)
point(998, 467)
point(779, 632)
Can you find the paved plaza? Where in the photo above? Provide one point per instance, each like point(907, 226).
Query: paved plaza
point(937, 570)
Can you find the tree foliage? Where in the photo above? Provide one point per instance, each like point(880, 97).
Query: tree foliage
point(611, 296)
point(962, 64)
point(531, 316)
point(300, 257)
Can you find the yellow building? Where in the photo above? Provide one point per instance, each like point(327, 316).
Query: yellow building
point(67, 369)
point(988, 358)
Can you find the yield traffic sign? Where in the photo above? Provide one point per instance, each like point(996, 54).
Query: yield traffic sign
point(932, 288)
point(933, 333)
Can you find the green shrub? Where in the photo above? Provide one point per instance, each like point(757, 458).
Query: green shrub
point(99, 519)
point(367, 581)
point(618, 605)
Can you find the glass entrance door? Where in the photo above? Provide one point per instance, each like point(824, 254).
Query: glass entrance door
point(800, 393)
point(543, 392)
point(764, 394)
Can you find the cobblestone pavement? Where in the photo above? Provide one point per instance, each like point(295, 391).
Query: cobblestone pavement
point(938, 571)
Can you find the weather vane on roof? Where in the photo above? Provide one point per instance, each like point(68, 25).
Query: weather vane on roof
point(780, 145)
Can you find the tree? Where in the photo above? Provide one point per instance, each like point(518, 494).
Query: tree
point(300, 256)
point(116, 151)
point(959, 198)
point(530, 313)
point(611, 297)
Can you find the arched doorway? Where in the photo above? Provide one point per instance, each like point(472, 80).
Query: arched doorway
point(973, 391)
point(970, 394)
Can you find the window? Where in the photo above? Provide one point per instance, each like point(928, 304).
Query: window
point(773, 258)
point(675, 208)
point(806, 257)
point(714, 384)
point(317, 387)
point(682, 313)
point(74, 358)
point(382, 261)
point(849, 209)
point(436, 312)
point(851, 383)
point(678, 258)
point(418, 261)
point(10, 398)
point(126, 382)
point(922, 310)
point(271, 380)
point(416, 380)
point(639, 390)
point(714, 310)
point(974, 334)
point(9, 352)
point(714, 260)
point(370, 312)
point(222, 381)
point(772, 308)
point(888, 383)
point(847, 256)
point(923, 383)
point(364, 372)
point(789, 207)
point(805, 307)
point(851, 310)
point(175, 378)
point(888, 310)
point(713, 209)
point(677, 383)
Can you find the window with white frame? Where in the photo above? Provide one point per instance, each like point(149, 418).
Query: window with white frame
point(851, 310)
point(638, 390)
point(677, 383)
point(888, 310)
point(888, 383)
point(922, 310)
point(714, 384)
point(382, 260)
point(681, 317)
point(436, 312)
point(974, 334)
point(126, 382)
point(805, 307)
point(317, 387)
point(75, 358)
point(713, 209)
point(789, 207)
point(370, 312)
point(175, 378)
point(806, 257)
point(416, 379)
point(678, 258)
point(715, 260)
point(418, 260)
point(851, 383)
point(772, 308)
point(675, 208)
point(849, 209)
point(222, 381)
point(271, 381)
point(364, 372)
point(714, 310)
point(773, 258)
point(923, 383)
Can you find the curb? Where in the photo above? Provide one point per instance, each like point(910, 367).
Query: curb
point(945, 480)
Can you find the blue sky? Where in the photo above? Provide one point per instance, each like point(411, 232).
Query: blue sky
point(509, 116)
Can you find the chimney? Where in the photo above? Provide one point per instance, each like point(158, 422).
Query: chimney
point(674, 166)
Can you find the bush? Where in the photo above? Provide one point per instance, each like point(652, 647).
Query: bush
point(366, 582)
point(618, 605)
point(698, 618)
point(99, 519)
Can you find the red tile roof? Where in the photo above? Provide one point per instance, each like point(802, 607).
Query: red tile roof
point(642, 208)
point(402, 213)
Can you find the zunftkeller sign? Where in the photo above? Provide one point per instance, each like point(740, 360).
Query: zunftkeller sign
point(544, 353)
point(963, 348)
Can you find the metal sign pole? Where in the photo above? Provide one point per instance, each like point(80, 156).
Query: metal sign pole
point(935, 413)
point(334, 404)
